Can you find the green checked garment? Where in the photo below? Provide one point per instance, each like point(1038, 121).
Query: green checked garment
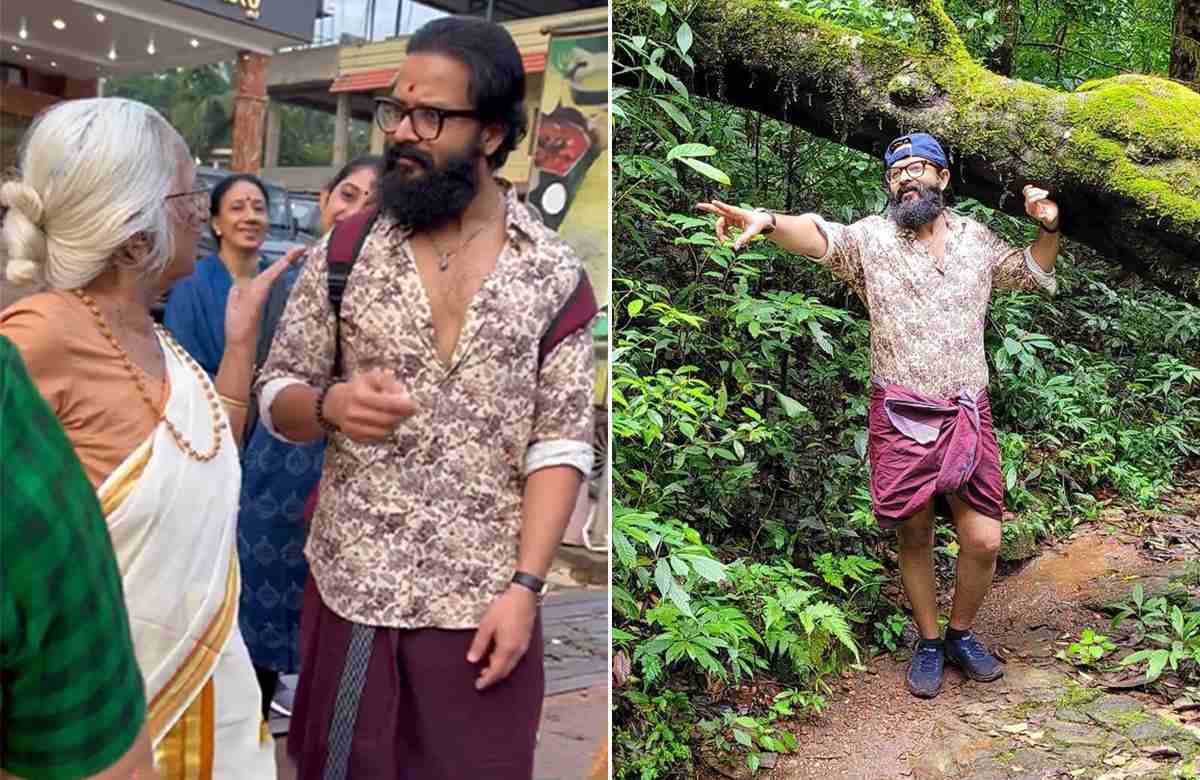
point(72, 697)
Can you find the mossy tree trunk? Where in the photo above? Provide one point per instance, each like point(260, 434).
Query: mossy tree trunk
point(1185, 46)
point(1120, 155)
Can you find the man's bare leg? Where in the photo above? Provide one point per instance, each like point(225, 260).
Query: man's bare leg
point(916, 570)
point(978, 546)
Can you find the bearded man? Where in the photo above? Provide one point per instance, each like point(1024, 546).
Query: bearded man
point(458, 435)
point(926, 276)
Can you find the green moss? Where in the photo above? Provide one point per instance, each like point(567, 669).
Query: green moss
point(1154, 118)
point(1076, 696)
point(1005, 758)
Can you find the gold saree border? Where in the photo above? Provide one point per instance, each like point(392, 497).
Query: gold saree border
point(127, 475)
point(198, 666)
point(186, 752)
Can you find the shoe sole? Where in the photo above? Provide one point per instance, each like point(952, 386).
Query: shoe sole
point(971, 675)
point(921, 694)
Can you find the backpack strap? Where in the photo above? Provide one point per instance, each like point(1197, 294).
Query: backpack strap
point(576, 313)
point(344, 245)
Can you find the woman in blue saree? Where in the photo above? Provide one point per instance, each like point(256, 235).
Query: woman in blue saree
point(276, 477)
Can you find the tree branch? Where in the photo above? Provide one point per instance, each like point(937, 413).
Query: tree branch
point(1120, 155)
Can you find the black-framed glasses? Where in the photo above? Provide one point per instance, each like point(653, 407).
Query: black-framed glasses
point(915, 170)
point(426, 121)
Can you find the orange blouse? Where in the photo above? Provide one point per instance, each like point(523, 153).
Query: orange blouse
point(84, 379)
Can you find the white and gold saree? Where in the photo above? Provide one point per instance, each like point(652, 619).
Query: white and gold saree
point(172, 519)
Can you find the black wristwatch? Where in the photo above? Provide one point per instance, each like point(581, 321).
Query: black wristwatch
point(770, 228)
point(535, 584)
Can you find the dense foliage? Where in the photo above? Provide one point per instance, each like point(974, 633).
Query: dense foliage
point(745, 550)
point(198, 102)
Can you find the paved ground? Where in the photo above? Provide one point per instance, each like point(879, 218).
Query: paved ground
point(575, 622)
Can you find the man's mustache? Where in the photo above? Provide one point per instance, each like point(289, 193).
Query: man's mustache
point(397, 153)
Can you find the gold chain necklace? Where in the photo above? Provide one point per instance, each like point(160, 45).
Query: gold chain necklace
point(184, 444)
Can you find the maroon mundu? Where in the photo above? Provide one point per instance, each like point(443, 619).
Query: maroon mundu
point(921, 446)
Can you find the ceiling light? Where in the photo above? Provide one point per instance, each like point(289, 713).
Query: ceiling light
point(16, 48)
point(112, 52)
point(194, 43)
point(23, 32)
point(59, 24)
point(150, 49)
point(99, 17)
point(53, 64)
point(29, 56)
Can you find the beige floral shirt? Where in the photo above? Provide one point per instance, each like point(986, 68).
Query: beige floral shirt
point(927, 316)
point(423, 530)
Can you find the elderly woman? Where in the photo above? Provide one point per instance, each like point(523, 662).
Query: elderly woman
point(276, 477)
point(104, 216)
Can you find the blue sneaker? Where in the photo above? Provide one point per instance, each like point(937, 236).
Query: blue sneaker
point(927, 668)
point(969, 655)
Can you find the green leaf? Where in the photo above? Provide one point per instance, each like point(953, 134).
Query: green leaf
point(658, 73)
point(635, 306)
point(663, 578)
point(743, 738)
point(690, 150)
point(676, 115)
point(709, 569)
point(659, 7)
point(753, 762)
point(625, 552)
point(716, 174)
point(791, 407)
point(683, 37)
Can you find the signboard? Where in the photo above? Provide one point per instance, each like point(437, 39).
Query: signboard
point(293, 18)
point(569, 179)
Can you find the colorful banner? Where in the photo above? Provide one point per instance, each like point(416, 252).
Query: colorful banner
point(569, 180)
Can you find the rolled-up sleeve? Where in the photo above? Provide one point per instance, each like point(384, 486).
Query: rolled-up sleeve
point(302, 347)
point(563, 417)
point(1015, 269)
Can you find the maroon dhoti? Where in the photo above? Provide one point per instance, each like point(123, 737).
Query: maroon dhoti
point(417, 715)
point(920, 447)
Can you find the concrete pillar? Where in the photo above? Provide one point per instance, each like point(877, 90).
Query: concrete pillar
point(377, 139)
point(249, 112)
point(271, 155)
point(341, 131)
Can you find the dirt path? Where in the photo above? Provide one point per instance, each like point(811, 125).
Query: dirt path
point(1038, 722)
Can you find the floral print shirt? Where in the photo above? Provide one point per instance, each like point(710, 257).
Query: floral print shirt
point(928, 315)
point(423, 529)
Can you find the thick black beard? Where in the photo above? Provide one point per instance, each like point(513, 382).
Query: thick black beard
point(433, 197)
point(925, 209)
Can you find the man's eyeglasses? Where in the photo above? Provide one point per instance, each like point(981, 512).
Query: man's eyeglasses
point(915, 170)
point(426, 121)
point(197, 200)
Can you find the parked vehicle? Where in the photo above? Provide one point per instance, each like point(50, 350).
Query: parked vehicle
point(306, 210)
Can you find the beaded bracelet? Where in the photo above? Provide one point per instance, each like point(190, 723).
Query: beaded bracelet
point(323, 421)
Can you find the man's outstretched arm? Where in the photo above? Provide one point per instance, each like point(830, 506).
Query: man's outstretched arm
point(795, 233)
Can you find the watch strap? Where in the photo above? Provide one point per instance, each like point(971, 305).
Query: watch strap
point(770, 228)
point(535, 584)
